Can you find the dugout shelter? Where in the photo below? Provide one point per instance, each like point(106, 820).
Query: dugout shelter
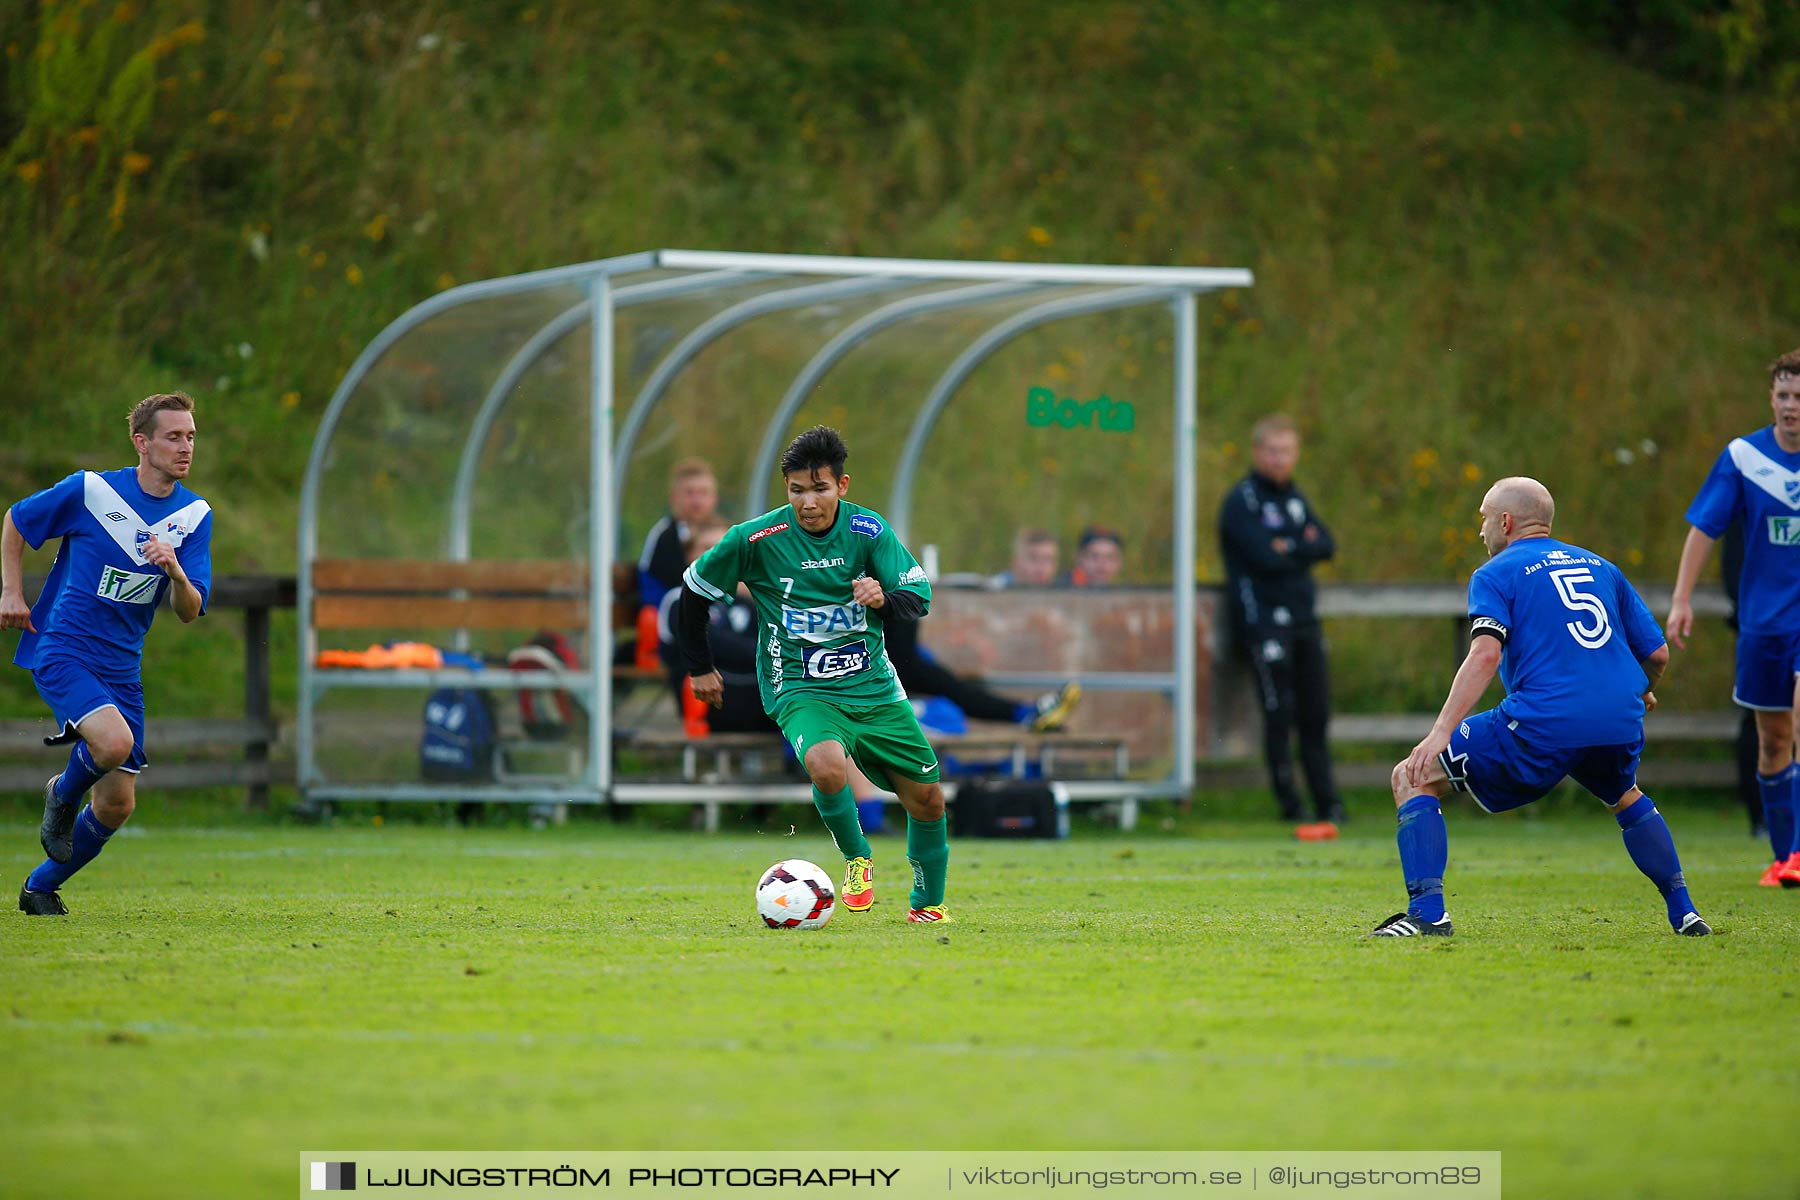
point(497, 450)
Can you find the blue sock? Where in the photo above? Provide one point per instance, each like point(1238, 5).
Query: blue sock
point(80, 775)
point(90, 839)
point(1024, 714)
point(1424, 853)
point(1779, 806)
point(1648, 842)
point(1794, 805)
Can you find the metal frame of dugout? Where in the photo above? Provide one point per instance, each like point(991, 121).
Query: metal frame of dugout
point(1038, 293)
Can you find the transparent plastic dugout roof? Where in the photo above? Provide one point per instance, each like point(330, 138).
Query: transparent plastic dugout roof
point(535, 417)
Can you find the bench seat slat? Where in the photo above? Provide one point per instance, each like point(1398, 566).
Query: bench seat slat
point(427, 612)
point(410, 576)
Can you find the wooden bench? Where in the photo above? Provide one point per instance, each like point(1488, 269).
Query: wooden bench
point(719, 764)
point(726, 751)
point(426, 598)
point(1403, 730)
point(170, 738)
point(356, 593)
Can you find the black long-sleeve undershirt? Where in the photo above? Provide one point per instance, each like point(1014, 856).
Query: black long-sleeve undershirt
point(689, 624)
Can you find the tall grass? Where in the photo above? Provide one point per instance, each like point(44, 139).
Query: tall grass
point(1484, 244)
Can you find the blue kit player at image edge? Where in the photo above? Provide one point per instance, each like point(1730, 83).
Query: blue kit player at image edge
point(1755, 481)
point(1579, 654)
point(131, 540)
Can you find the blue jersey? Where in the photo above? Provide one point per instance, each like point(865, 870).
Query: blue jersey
point(1757, 480)
point(1574, 633)
point(101, 595)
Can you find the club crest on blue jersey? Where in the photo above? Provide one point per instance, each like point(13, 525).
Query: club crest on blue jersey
point(143, 537)
point(866, 525)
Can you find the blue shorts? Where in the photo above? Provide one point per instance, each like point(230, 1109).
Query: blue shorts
point(1499, 772)
point(1766, 665)
point(75, 693)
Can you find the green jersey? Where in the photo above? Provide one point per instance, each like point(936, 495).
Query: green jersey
point(816, 640)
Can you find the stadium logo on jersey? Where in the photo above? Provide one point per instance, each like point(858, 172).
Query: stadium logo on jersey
point(836, 662)
point(127, 587)
point(826, 623)
point(820, 564)
point(866, 525)
point(763, 533)
point(1784, 531)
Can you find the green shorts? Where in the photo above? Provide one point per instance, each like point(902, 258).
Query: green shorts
point(885, 741)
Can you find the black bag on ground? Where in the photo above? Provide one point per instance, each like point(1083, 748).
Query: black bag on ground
point(987, 807)
point(459, 740)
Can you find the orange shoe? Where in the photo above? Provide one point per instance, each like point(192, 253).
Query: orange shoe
point(1789, 875)
point(1772, 876)
point(1318, 831)
point(859, 885)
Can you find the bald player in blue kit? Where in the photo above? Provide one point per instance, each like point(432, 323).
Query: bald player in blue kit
point(1579, 654)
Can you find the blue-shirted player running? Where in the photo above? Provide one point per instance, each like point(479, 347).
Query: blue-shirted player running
point(1579, 654)
point(129, 537)
point(1757, 479)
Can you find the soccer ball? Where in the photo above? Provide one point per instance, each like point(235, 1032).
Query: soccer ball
point(795, 894)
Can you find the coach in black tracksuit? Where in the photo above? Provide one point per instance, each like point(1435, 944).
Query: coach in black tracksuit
point(1271, 538)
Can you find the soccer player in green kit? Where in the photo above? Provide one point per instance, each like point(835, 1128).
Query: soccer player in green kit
point(825, 576)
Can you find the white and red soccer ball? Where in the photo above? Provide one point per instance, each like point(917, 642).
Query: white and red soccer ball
point(795, 894)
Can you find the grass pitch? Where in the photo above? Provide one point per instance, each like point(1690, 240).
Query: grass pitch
point(223, 998)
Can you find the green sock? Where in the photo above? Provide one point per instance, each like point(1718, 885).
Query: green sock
point(928, 850)
point(839, 812)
